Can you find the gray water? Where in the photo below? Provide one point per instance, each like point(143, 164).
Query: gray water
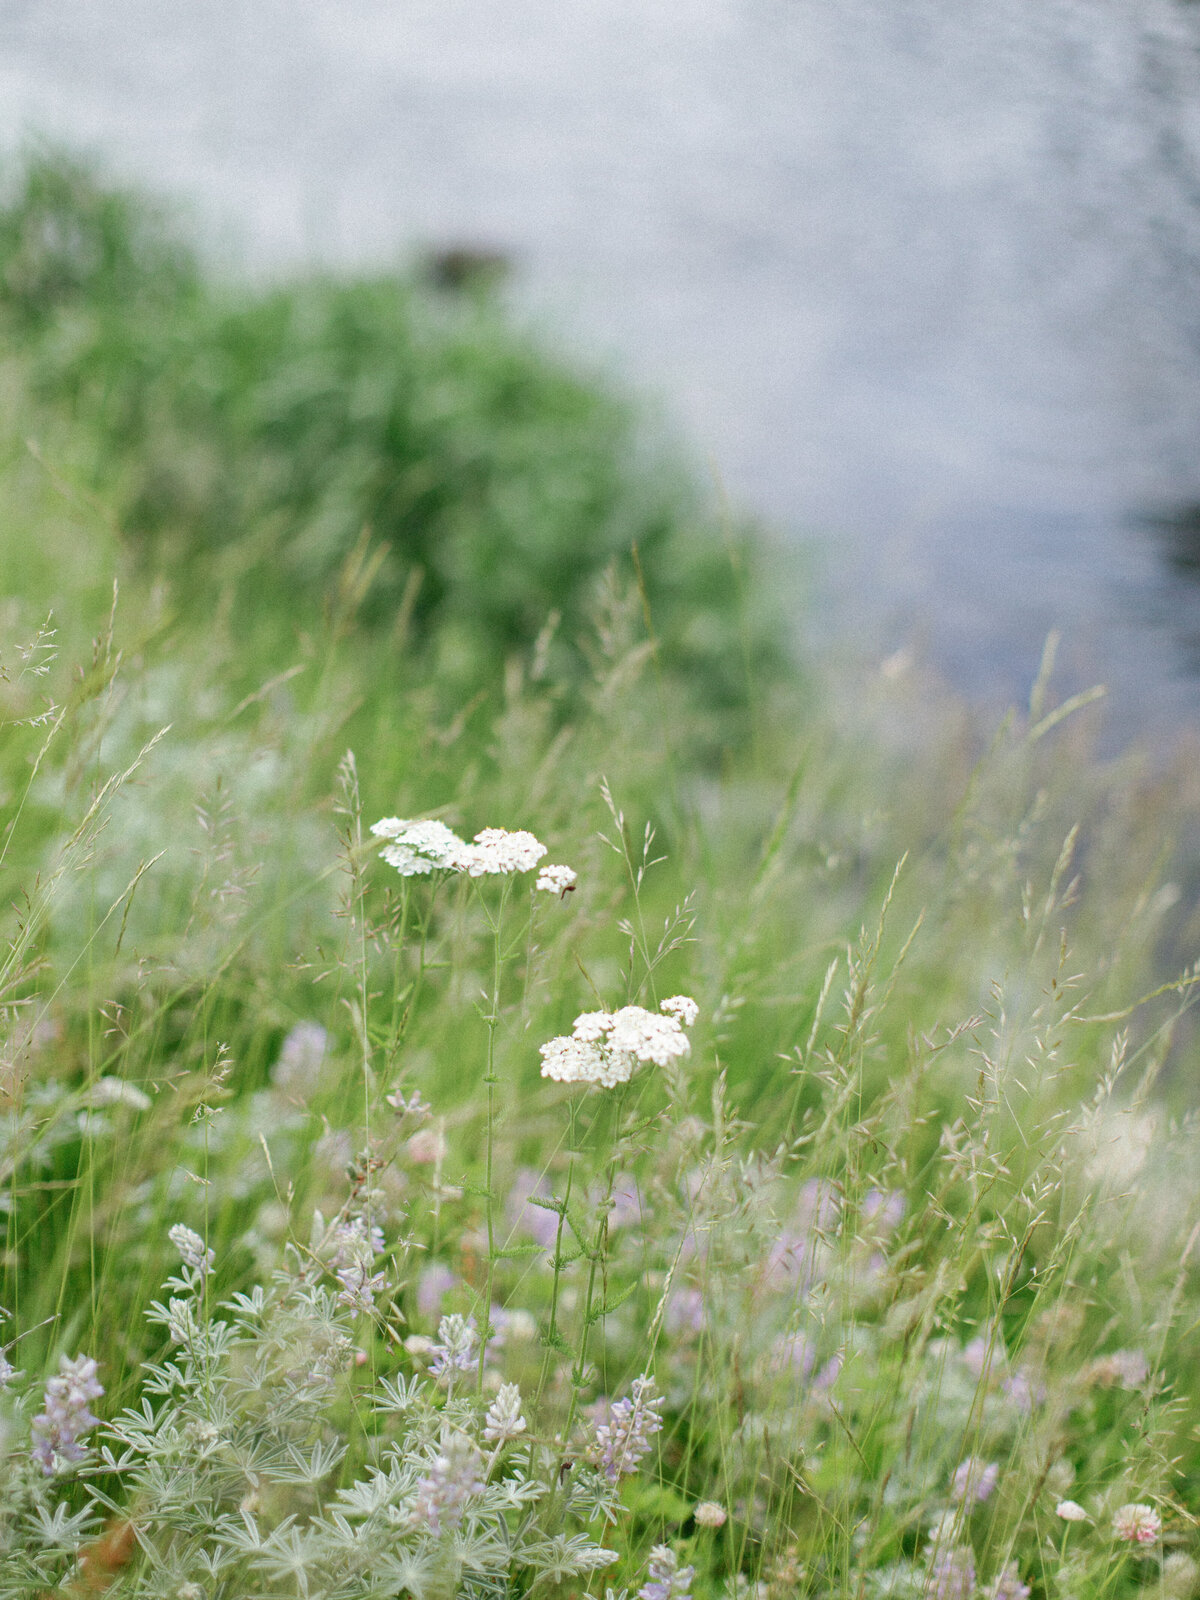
point(916, 279)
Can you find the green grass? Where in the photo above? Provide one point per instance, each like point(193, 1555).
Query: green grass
point(342, 517)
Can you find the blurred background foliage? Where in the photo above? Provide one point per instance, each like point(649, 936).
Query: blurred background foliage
point(248, 440)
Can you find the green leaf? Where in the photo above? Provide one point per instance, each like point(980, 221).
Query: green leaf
point(476, 1189)
point(609, 1306)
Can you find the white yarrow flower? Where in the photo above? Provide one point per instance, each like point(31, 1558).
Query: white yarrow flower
point(684, 1008)
point(605, 1046)
point(556, 880)
point(592, 1026)
point(418, 848)
point(572, 1060)
point(496, 850)
point(648, 1036)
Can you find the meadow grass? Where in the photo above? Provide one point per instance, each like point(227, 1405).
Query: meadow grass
point(887, 1286)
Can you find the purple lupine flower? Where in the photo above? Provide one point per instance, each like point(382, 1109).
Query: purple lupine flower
point(359, 1286)
point(65, 1417)
point(1129, 1368)
point(884, 1207)
point(829, 1373)
point(1024, 1390)
point(453, 1477)
point(952, 1575)
point(793, 1351)
point(984, 1354)
point(192, 1250)
point(433, 1285)
point(685, 1312)
point(817, 1206)
point(410, 1105)
point(626, 1203)
point(791, 1259)
point(623, 1437)
point(667, 1579)
point(974, 1480)
point(355, 1244)
point(1007, 1585)
point(504, 1420)
point(301, 1057)
point(499, 1326)
point(457, 1346)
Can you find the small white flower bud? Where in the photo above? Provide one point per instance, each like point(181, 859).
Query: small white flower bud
point(709, 1514)
point(1070, 1511)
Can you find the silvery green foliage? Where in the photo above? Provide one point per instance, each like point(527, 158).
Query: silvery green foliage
point(230, 1465)
point(40, 1532)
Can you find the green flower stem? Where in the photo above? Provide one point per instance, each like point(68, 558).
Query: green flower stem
point(552, 1332)
point(597, 1256)
point(493, 1022)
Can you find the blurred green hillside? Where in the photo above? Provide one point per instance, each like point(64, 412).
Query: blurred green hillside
point(245, 442)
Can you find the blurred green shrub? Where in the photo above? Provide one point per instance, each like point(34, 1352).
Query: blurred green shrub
point(253, 437)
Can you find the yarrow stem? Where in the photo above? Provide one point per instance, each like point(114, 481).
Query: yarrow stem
point(552, 1334)
point(493, 1022)
point(599, 1256)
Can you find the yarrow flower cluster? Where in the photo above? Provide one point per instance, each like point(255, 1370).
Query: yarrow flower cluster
point(418, 848)
point(605, 1046)
point(59, 1427)
point(682, 1007)
point(556, 880)
point(667, 1579)
point(623, 1437)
